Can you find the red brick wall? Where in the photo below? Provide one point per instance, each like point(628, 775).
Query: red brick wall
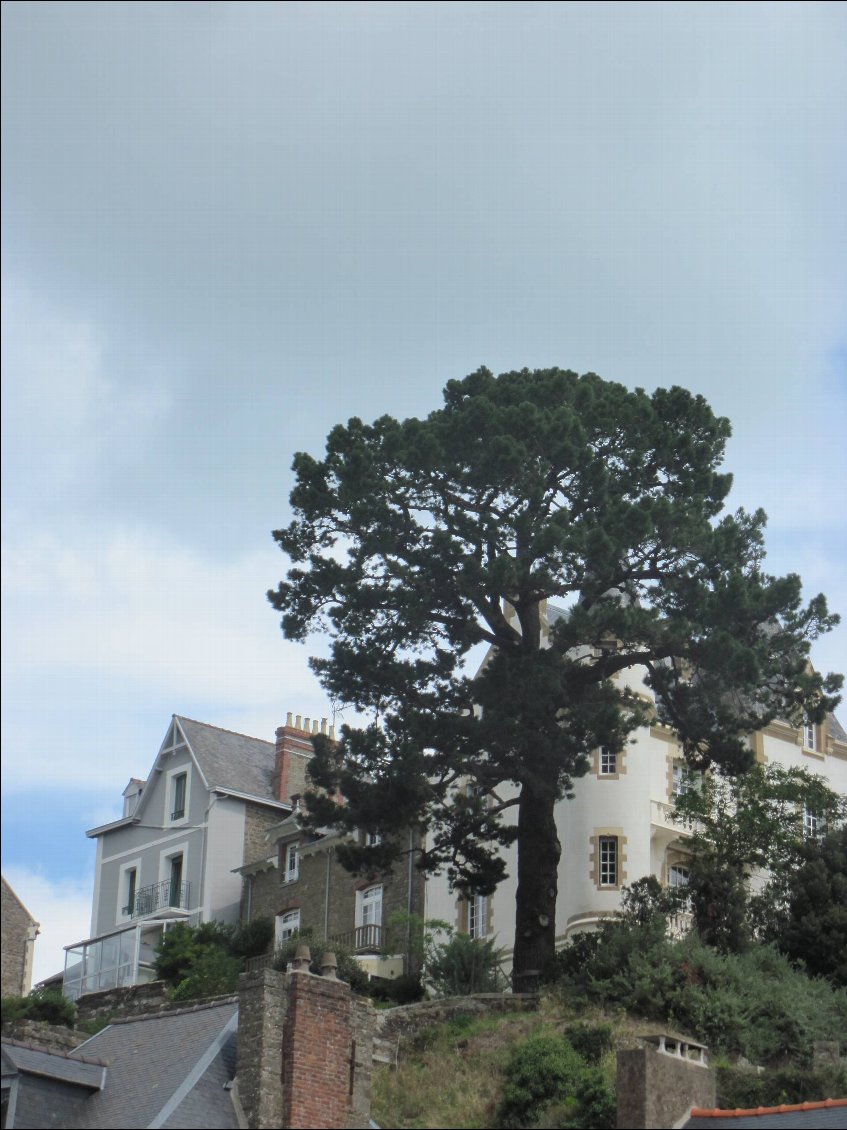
point(316, 1054)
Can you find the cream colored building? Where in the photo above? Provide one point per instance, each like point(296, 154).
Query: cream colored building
point(618, 826)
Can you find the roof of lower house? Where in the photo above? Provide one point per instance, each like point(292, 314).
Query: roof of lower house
point(84, 1072)
point(170, 1069)
point(829, 1113)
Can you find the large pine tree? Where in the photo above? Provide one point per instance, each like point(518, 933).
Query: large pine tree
point(414, 541)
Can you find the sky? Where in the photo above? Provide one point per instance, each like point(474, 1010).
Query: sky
point(226, 228)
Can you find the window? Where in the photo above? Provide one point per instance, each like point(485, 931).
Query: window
point(478, 916)
point(373, 839)
point(812, 823)
point(369, 907)
point(809, 736)
point(286, 926)
point(131, 881)
point(290, 863)
point(608, 761)
point(176, 895)
point(178, 786)
point(608, 846)
point(678, 875)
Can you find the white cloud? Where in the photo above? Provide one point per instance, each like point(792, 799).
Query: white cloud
point(62, 909)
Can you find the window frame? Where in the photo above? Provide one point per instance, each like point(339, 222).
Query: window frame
point(284, 929)
point(608, 861)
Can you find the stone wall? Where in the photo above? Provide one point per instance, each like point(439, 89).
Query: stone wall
point(18, 930)
point(336, 915)
point(305, 1052)
point(54, 1037)
point(406, 1021)
point(132, 1000)
point(658, 1087)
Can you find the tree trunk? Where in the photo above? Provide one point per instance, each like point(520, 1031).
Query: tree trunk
point(538, 883)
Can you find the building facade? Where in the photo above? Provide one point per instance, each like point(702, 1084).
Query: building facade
point(201, 811)
point(19, 931)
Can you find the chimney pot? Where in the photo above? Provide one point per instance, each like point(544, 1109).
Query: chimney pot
point(302, 959)
point(329, 965)
point(289, 719)
point(297, 721)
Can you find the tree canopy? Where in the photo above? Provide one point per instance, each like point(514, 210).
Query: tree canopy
point(413, 541)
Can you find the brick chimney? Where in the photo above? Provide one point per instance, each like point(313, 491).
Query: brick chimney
point(659, 1084)
point(305, 1051)
point(294, 751)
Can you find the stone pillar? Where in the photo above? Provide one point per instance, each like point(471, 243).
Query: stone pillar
point(262, 1009)
point(660, 1083)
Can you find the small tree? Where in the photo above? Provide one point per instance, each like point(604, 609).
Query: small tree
point(413, 541)
point(746, 824)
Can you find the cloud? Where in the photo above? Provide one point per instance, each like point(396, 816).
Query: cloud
point(68, 404)
point(124, 617)
point(62, 909)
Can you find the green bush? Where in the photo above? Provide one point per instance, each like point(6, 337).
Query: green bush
point(465, 965)
point(42, 1004)
point(399, 990)
point(542, 1070)
point(215, 971)
point(753, 1004)
point(252, 939)
point(590, 1041)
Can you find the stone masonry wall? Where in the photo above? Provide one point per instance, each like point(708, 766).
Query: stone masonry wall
point(17, 933)
point(308, 894)
point(262, 1012)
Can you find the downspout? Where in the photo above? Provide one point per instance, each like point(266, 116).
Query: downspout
point(409, 904)
point(326, 894)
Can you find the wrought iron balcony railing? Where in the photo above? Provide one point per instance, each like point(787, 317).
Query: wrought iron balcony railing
point(159, 896)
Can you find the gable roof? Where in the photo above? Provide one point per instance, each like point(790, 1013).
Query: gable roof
point(166, 1070)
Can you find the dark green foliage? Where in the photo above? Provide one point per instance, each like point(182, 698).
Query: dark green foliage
point(410, 542)
point(214, 971)
point(405, 989)
point(741, 1088)
point(754, 822)
point(348, 970)
point(465, 965)
point(42, 1004)
point(592, 1041)
point(542, 1070)
point(597, 1103)
point(253, 938)
point(812, 929)
point(753, 1004)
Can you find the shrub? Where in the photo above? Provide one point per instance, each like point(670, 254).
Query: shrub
point(591, 1042)
point(542, 1070)
point(42, 1004)
point(465, 965)
point(253, 938)
point(215, 971)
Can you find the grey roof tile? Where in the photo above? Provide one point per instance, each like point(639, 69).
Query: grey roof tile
point(151, 1057)
point(56, 1065)
point(232, 761)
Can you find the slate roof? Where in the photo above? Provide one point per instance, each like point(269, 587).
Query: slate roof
point(231, 761)
point(166, 1070)
point(54, 1064)
point(832, 1113)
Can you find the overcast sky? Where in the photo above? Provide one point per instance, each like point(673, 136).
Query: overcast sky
point(228, 227)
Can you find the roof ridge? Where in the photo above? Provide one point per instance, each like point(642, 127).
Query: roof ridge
point(212, 1002)
point(747, 1112)
point(30, 1046)
point(222, 729)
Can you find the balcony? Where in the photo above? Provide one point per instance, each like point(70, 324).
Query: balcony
point(364, 939)
point(167, 895)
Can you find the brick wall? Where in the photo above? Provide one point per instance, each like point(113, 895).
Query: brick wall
point(305, 1052)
